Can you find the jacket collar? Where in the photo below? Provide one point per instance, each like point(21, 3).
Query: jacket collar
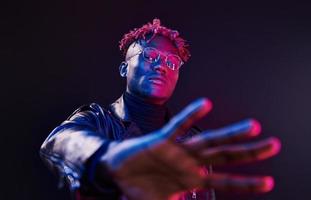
point(118, 109)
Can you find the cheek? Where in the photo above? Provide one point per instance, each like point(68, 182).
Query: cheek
point(136, 74)
point(174, 79)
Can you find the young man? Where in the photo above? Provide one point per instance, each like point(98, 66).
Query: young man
point(135, 150)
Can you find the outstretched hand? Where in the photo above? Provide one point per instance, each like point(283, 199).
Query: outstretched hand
point(156, 167)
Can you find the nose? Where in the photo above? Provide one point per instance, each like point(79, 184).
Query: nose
point(160, 66)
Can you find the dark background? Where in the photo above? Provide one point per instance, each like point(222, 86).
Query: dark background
point(250, 59)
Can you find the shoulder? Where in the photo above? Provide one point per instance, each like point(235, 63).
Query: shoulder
point(92, 115)
point(92, 108)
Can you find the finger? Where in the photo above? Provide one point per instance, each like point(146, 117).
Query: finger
point(185, 119)
point(242, 153)
point(233, 133)
point(239, 184)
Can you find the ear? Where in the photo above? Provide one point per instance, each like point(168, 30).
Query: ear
point(123, 69)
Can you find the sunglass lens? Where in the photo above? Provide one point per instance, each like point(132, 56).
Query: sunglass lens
point(173, 62)
point(151, 54)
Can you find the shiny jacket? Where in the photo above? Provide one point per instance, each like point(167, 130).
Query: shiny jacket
point(72, 149)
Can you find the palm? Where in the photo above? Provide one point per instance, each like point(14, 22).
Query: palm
point(156, 172)
point(155, 167)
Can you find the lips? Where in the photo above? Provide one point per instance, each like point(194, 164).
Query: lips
point(157, 80)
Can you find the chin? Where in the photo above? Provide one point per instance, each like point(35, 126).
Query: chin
point(155, 95)
point(162, 98)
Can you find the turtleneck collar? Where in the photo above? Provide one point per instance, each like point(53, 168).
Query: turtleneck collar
point(148, 117)
point(135, 111)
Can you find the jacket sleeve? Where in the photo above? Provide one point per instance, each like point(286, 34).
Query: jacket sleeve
point(69, 147)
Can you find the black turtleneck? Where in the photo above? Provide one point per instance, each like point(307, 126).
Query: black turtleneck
point(148, 117)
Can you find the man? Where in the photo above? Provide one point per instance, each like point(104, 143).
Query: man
point(135, 150)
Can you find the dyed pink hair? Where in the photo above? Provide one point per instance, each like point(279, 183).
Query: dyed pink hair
point(155, 28)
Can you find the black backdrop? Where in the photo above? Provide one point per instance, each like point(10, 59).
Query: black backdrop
point(250, 59)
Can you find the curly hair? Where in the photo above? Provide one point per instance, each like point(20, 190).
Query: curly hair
point(154, 29)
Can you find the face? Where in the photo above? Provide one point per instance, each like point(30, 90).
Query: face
point(154, 82)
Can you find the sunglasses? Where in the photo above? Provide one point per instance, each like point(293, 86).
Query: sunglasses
point(152, 55)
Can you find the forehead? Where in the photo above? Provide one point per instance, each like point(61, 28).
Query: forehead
point(161, 43)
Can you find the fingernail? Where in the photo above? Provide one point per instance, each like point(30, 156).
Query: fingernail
point(206, 103)
point(268, 184)
point(276, 145)
point(255, 127)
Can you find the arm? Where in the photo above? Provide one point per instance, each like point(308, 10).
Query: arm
point(71, 149)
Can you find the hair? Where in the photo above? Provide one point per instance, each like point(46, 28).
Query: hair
point(155, 29)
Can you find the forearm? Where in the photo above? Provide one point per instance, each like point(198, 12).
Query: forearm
point(71, 150)
point(67, 151)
